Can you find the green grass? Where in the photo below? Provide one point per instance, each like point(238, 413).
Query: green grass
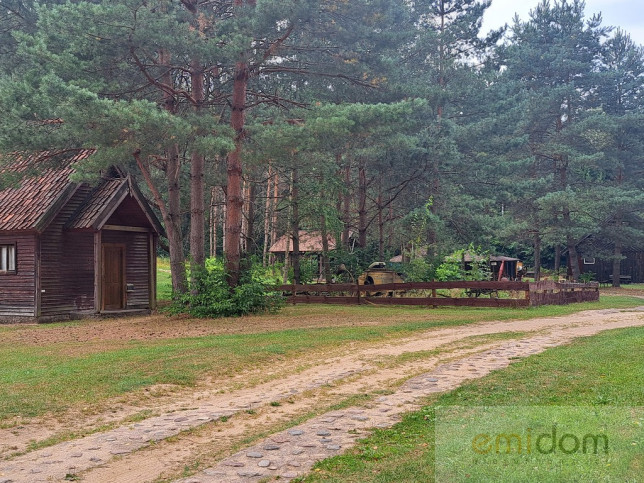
point(633, 286)
point(37, 379)
point(602, 372)
point(164, 280)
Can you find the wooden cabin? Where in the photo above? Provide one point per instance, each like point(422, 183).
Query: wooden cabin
point(310, 246)
point(70, 249)
point(595, 258)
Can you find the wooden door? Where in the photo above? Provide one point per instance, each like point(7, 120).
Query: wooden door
point(113, 277)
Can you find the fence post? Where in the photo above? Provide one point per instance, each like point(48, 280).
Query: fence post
point(293, 292)
point(358, 292)
point(527, 294)
point(434, 295)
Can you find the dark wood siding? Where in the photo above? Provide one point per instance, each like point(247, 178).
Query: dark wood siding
point(18, 290)
point(79, 248)
point(66, 264)
point(137, 263)
point(632, 266)
point(129, 213)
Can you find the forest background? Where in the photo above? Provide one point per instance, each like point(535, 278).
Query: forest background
point(391, 126)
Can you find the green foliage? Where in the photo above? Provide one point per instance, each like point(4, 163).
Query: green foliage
point(418, 270)
point(356, 261)
point(209, 294)
point(455, 266)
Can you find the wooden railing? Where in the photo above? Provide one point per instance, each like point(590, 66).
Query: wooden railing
point(549, 292)
point(434, 294)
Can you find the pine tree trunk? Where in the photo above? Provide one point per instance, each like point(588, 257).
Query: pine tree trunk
point(617, 264)
point(346, 208)
point(169, 213)
point(557, 258)
point(276, 192)
point(537, 257)
point(267, 215)
point(381, 227)
point(574, 258)
point(287, 248)
point(214, 221)
point(362, 205)
point(244, 226)
point(175, 238)
point(617, 252)
point(326, 266)
point(250, 217)
point(234, 199)
point(295, 227)
point(197, 182)
point(223, 223)
point(172, 171)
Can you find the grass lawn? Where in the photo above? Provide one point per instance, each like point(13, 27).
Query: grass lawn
point(633, 286)
point(33, 369)
point(601, 376)
point(164, 280)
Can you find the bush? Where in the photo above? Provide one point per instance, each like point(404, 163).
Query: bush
point(418, 270)
point(210, 296)
point(452, 268)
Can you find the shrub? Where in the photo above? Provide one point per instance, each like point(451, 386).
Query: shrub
point(452, 268)
point(210, 296)
point(418, 270)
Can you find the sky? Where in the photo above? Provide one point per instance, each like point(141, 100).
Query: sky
point(627, 14)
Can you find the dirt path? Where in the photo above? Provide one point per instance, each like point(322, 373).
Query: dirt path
point(377, 382)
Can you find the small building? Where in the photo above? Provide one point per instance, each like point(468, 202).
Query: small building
point(500, 266)
point(595, 258)
point(69, 249)
point(310, 244)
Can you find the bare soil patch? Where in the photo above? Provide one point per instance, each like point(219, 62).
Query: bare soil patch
point(160, 326)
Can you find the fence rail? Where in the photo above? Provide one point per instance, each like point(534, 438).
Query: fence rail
point(474, 294)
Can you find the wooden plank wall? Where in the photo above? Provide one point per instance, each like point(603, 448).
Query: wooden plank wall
point(137, 271)
point(18, 290)
point(632, 266)
point(66, 264)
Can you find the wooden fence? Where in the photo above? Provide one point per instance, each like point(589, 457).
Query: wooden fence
point(549, 292)
point(435, 294)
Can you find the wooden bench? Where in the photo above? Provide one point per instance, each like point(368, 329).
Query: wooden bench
point(622, 279)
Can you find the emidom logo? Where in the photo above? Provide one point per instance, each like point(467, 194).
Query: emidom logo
point(538, 443)
point(546, 443)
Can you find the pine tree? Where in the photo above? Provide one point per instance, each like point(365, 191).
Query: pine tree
point(551, 62)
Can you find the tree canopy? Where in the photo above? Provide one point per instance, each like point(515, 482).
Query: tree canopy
point(395, 127)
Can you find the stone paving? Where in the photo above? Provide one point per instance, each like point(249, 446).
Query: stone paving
point(290, 453)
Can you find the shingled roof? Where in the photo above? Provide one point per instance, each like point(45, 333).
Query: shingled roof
point(104, 199)
point(46, 187)
point(310, 241)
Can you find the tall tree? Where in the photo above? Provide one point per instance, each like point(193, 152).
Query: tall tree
point(620, 96)
point(551, 60)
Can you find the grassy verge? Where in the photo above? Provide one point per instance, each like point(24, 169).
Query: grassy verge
point(38, 378)
point(602, 373)
point(164, 280)
point(633, 286)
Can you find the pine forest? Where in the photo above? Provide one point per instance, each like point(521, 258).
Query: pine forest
point(382, 127)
